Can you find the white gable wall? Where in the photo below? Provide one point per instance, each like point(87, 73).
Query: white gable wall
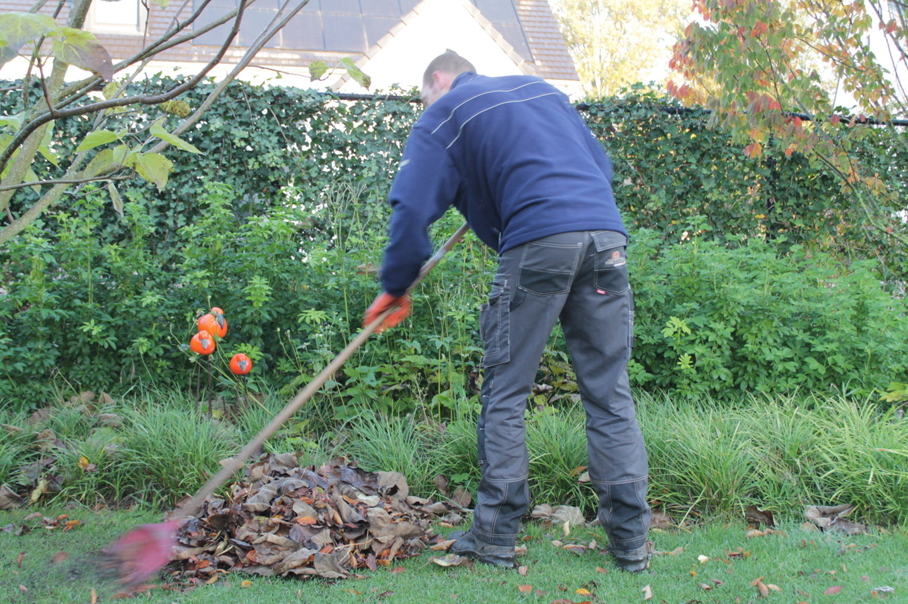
point(434, 26)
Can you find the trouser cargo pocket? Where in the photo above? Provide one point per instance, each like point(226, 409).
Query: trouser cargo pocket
point(495, 325)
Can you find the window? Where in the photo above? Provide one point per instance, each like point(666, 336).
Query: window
point(117, 17)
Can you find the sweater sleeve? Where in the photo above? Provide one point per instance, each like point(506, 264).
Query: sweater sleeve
point(424, 188)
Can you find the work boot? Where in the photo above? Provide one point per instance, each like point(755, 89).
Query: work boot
point(472, 547)
point(632, 561)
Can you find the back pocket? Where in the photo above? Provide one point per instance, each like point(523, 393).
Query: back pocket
point(611, 262)
point(548, 269)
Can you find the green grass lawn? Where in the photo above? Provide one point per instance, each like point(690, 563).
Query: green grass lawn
point(53, 565)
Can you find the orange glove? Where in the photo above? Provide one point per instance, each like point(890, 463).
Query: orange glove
point(382, 303)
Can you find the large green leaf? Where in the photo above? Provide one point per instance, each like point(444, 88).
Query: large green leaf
point(99, 164)
point(356, 73)
point(155, 168)
point(96, 139)
point(158, 130)
point(317, 69)
point(18, 29)
point(30, 176)
point(15, 120)
point(82, 49)
point(115, 198)
point(44, 148)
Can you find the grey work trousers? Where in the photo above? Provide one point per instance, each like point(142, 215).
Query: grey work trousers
point(581, 279)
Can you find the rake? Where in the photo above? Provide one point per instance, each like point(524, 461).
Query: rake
point(145, 550)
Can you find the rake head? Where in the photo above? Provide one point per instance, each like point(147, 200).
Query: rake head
point(140, 553)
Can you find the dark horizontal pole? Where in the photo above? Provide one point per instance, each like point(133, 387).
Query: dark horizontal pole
point(867, 121)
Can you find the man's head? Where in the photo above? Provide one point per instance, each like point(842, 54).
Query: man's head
point(440, 74)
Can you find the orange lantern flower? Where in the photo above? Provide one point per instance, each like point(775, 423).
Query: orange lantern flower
point(240, 364)
point(213, 324)
point(202, 343)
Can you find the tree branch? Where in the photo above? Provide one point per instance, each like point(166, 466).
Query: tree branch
point(64, 181)
point(276, 24)
point(44, 118)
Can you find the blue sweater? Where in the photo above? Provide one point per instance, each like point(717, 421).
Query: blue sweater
point(512, 155)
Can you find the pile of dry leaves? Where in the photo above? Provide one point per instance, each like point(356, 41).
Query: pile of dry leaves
point(328, 521)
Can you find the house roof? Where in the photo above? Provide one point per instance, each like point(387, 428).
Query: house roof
point(327, 29)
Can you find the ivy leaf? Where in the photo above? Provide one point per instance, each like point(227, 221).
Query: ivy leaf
point(96, 139)
point(82, 49)
point(356, 73)
point(158, 130)
point(115, 198)
point(317, 69)
point(18, 29)
point(154, 168)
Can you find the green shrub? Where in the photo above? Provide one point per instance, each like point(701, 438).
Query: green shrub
point(283, 218)
point(722, 322)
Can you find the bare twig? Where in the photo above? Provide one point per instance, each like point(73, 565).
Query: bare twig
point(48, 116)
point(65, 181)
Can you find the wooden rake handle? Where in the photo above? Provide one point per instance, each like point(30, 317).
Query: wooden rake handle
point(236, 462)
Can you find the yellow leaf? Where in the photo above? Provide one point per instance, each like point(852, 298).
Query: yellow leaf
point(246, 584)
point(83, 462)
point(524, 589)
point(583, 592)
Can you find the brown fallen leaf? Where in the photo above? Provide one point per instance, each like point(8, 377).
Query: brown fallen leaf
point(449, 560)
point(704, 586)
point(442, 546)
point(660, 520)
point(397, 570)
point(647, 593)
point(833, 590)
point(523, 570)
point(9, 499)
point(59, 557)
point(758, 517)
point(575, 548)
point(23, 589)
point(94, 596)
point(19, 559)
point(738, 553)
point(761, 587)
point(524, 589)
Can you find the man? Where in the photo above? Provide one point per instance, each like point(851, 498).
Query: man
point(514, 157)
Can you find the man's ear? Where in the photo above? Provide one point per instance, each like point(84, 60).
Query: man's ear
point(443, 80)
